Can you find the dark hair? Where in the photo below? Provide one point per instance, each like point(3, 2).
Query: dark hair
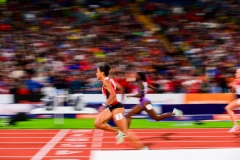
point(142, 76)
point(105, 67)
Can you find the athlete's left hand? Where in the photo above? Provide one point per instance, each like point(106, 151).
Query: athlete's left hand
point(127, 96)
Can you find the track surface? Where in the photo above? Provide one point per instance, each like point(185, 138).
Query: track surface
point(78, 144)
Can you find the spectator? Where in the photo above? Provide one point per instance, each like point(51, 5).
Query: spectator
point(45, 45)
point(23, 90)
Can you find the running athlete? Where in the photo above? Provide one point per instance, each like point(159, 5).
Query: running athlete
point(235, 88)
point(145, 104)
point(115, 109)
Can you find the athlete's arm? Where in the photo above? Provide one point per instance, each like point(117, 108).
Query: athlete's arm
point(121, 89)
point(112, 96)
point(233, 86)
point(152, 87)
point(139, 94)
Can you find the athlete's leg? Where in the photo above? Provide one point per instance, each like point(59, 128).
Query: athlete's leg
point(229, 108)
point(102, 117)
point(121, 122)
point(135, 110)
point(151, 112)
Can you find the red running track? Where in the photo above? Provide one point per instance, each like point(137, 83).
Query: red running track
point(78, 144)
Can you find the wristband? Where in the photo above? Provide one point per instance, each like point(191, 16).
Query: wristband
point(104, 105)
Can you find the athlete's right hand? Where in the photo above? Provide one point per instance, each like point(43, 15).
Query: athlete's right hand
point(101, 108)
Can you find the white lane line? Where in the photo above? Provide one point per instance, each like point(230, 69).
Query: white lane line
point(97, 139)
point(111, 148)
point(40, 157)
point(169, 131)
point(150, 136)
point(74, 130)
point(163, 141)
point(49, 145)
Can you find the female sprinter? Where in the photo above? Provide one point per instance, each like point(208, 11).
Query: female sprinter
point(235, 88)
point(115, 109)
point(145, 104)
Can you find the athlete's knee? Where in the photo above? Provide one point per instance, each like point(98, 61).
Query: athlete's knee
point(97, 124)
point(228, 108)
point(157, 118)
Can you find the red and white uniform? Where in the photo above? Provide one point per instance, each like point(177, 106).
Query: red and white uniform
point(236, 83)
point(106, 93)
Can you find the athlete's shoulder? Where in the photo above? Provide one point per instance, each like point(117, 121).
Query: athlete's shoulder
point(108, 80)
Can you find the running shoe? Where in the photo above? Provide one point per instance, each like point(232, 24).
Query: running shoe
point(234, 128)
point(120, 137)
point(177, 112)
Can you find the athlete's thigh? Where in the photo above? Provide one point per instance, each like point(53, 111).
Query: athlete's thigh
point(149, 109)
point(135, 110)
point(119, 119)
point(104, 116)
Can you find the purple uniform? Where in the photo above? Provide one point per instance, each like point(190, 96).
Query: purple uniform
point(143, 99)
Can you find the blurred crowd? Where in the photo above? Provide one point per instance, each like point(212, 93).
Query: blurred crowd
point(48, 46)
point(207, 33)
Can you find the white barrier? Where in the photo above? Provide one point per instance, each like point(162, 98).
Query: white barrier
point(155, 98)
point(6, 98)
point(10, 109)
point(171, 98)
point(175, 154)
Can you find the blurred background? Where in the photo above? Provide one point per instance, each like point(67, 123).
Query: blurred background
point(187, 46)
point(50, 51)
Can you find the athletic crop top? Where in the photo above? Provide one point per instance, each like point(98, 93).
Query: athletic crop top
point(145, 88)
point(237, 83)
point(105, 91)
